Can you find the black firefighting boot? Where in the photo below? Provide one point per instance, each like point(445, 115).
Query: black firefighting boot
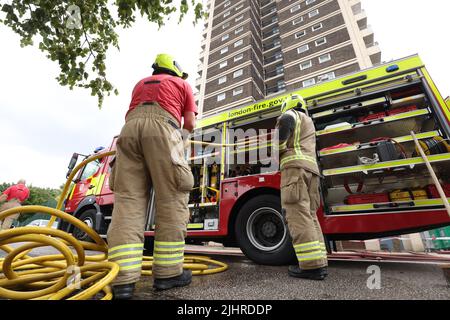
point(123, 291)
point(314, 274)
point(182, 280)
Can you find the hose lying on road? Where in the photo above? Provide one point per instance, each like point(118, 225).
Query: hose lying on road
point(70, 274)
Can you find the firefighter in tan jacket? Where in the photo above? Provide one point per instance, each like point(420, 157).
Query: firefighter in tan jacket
point(300, 197)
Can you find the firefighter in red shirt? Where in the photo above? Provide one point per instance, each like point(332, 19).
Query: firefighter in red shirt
point(149, 154)
point(13, 196)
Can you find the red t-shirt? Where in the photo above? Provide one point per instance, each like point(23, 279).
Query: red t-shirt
point(18, 191)
point(172, 93)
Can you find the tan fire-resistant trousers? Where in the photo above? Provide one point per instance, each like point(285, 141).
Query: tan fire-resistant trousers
point(300, 198)
point(149, 154)
point(7, 222)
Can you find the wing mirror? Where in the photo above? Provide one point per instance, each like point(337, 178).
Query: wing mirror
point(72, 163)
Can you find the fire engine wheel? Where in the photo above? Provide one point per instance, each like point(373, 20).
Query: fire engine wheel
point(261, 232)
point(88, 218)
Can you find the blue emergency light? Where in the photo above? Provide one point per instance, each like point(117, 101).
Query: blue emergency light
point(392, 68)
point(98, 149)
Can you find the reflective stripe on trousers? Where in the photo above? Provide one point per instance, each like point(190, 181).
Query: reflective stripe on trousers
point(324, 249)
point(168, 253)
point(310, 251)
point(127, 256)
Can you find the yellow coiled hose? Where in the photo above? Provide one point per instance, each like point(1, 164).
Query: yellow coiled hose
point(72, 273)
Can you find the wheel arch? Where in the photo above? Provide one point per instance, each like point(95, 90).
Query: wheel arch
point(243, 199)
point(86, 204)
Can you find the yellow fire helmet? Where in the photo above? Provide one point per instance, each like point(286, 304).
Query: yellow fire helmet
point(293, 102)
point(165, 62)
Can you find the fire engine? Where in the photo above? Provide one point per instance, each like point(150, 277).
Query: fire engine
point(374, 181)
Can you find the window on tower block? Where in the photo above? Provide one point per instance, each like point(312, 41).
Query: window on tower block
point(221, 97)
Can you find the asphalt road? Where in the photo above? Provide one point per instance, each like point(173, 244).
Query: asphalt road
point(346, 280)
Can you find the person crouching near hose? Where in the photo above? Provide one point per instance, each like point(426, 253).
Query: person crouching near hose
point(150, 153)
point(300, 196)
point(13, 197)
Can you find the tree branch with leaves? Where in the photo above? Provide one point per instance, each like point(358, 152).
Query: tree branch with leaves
point(77, 34)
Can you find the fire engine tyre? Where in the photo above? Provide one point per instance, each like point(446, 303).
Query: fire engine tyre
point(88, 217)
point(262, 233)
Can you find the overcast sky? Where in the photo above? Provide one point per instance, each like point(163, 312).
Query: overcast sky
point(42, 124)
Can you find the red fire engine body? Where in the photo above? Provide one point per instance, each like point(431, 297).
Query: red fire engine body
point(245, 209)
